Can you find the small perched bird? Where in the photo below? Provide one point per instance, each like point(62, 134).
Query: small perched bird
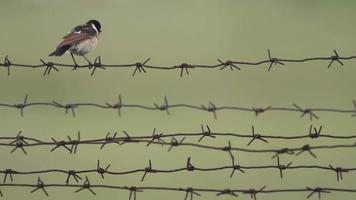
point(81, 40)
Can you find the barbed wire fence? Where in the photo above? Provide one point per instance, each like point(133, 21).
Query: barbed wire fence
point(165, 106)
point(179, 139)
point(141, 67)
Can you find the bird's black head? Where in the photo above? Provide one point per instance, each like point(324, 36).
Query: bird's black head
point(96, 23)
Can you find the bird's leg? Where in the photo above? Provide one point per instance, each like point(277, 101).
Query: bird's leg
point(90, 64)
point(75, 63)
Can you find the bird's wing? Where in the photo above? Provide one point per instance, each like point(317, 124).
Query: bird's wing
point(74, 38)
point(78, 34)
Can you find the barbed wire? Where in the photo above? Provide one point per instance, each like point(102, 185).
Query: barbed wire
point(71, 145)
point(141, 67)
point(189, 167)
point(206, 131)
point(210, 107)
point(189, 192)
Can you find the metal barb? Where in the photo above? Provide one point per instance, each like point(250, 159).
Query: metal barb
point(49, 67)
point(283, 151)
point(228, 149)
point(273, 61)
point(184, 67)
point(19, 142)
point(109, 140)
point(260, 110)
point(256, 136)
point(254, 192)
point(316, 190)
point(235, 167)
point(148, 170)
point(97, 64)
point(306, 111)
point(22, 106)
point(227, 192)
point(210, 108)
point(8, 172)
point(74, 143)
point(133, 190)
point(19, 138)
point(336, 58)
point(40, 185)
point(74, 174)
point(66, 107)
point(7, 64)
point(140, 67)
point(339, 172)
point(174, 143)
point(117, 105)
point(189, 165)
point(61, 143)
point(282, 167)
point(156, 137)
point(306, 148)
point(316, 132)
point(127, 139)
point(228, 63)
point(164, 106)
point(86, 185)
point(101, 170)
point(354, 103)
point(206, 133)
point(189, 192)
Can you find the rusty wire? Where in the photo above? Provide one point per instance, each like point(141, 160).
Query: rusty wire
point(189, 192)
point(142, 67)
point(103, 170)
point(210, 107)
point(20, 142)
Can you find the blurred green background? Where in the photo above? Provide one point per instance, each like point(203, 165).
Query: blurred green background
point(172, 32)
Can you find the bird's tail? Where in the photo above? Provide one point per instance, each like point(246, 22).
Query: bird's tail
point(59, 50)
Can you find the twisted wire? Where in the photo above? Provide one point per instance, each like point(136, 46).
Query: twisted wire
point(184, 68)
point(210, 107)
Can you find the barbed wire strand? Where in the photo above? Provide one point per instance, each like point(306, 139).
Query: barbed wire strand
point(71, 145)
point(313, 133)
point(210, 108)
point(189, 167)
point(189, 192)
point(141, 67)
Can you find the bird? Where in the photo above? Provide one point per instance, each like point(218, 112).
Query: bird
point(81, 40)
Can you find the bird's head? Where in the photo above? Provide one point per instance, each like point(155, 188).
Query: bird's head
point(96, 24)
